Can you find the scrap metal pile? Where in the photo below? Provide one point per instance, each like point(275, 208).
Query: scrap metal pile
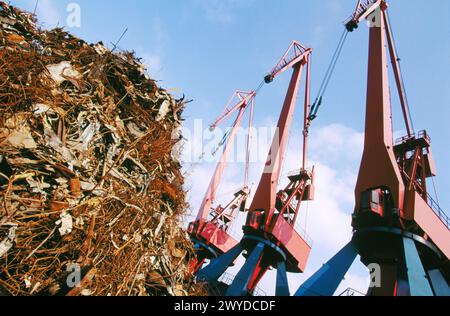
point(87, 179)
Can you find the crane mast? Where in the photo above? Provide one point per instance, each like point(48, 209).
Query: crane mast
point(265, 196)
point(391, 194)
point(399, 231)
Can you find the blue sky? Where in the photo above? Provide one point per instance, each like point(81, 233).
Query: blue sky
point(206, 49)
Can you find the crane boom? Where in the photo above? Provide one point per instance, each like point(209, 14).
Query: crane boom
point(270, 235)
point(363, 10)
point(294, 54)
point(230, 108)
point(265, 195)
point(210, 231)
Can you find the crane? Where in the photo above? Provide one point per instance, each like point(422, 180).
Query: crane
point(210, 232)
point(270, 239)
point(400, 233)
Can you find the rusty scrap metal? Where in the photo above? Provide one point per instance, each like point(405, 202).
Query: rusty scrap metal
point(86, 171)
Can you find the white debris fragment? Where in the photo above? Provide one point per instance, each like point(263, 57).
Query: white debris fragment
point(163, 110)
point(54, 142)
point(137, 238)
point(135, 130)
point(86, 292)
point(40, 108)
point(37, 186)
point(146, 231)
point(100, 49)
point(160, 225)
point(61, 181)
point(170, 291)
point(79, 221)
point(140, 277)
point(62, 71)
point(28, 281)
point(66, 223)
point(8, 242)
point(87, 186)
point(88, 135)
point(21, 139)
point(112, 241)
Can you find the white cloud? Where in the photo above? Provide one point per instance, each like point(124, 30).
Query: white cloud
point(328, 219)
point(154, 59)
point(47, 13)
point(336, 143)
point(217, 11)
point(231, 182)
point(317, 35)
point(335, 6)
point(153, 64)
point(355, 281)
point(221, 11)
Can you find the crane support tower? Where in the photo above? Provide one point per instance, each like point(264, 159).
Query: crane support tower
point(210, 232)
point(400, 233)
point(270, 238)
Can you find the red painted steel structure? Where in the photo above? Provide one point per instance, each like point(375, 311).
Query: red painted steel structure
point(210, 232)
point(391, 191)
point(270, 238)
point(273, 214)
point(400, 233)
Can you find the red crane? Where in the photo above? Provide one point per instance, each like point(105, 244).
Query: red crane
point(210, 232)
point(270, 238)
point(399, 231)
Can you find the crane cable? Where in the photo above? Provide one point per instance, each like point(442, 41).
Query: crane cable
point(328, 75)
point(401, 72)
point(214, 152)
point(435, 190)
point(222, 142)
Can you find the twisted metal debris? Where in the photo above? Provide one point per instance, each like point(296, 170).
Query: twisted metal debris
point(86, 173)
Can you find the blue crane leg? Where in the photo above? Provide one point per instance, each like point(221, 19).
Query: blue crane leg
point(326, 281)
point(417, 278)
point(214, 270)
point(440, 285)
point(282, 280)
point(239, 287)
